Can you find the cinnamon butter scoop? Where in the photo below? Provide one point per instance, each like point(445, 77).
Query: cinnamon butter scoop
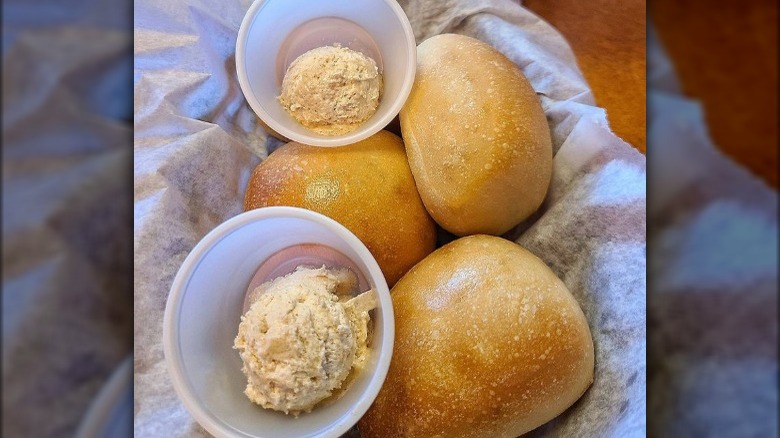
point(301, 338)
point(331, 90)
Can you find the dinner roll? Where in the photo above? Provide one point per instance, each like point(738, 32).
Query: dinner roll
point(488, 343)
point(366, 186)
point(476, 136)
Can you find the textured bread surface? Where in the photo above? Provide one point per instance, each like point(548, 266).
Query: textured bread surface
point(476, 136)
point(488, 343)
point(366, 186)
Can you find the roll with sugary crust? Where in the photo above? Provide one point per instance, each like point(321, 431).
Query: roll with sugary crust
point(476, 136)
point(366, 186)
point(489, 343)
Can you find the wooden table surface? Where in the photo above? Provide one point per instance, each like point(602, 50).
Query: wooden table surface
point(608, 38)
point(725, 56)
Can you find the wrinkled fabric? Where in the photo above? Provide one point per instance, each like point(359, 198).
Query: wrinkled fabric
point(714, 260)
point(197, 141)
point(67, 310)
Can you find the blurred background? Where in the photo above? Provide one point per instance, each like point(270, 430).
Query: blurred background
point(711, 142)
point(725, 56)
point(693, 84)
point(713, 215)
point(66, 218)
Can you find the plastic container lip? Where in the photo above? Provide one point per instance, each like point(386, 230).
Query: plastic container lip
point(349, 414)
point(287, 260)
point(370, 127)
point(109, 411)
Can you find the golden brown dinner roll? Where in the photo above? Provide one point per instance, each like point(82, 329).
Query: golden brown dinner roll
point(489, 343)
point(366, 186)
point(476, 136)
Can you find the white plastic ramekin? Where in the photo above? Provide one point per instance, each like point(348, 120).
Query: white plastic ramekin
point(274, 32)
point(204, 309)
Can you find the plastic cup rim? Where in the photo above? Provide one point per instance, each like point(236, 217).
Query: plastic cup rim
point(364, 131)
point(172, 353)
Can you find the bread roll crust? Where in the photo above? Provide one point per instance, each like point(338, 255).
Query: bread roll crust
point(476, 136)
point(366, 186)
point(489, 343)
